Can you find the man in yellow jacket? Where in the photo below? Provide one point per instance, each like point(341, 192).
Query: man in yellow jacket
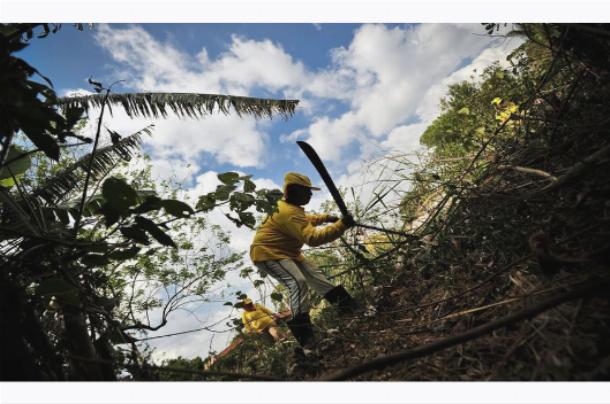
point(258, 319)
point(276, 251)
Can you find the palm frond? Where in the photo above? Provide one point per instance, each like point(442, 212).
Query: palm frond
point(192, 105)
point(58, 186)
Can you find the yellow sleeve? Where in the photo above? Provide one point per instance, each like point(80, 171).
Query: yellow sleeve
point(316, 220)
point(300, 228)
point(264, 309)
point(246, 322)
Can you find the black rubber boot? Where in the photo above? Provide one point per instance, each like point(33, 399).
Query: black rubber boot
point(340, 297)
point(300, 326)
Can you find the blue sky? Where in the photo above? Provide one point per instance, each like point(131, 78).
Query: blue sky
point(319, 64)
point(366, 91)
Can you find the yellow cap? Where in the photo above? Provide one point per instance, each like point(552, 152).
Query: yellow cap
point(298, 179)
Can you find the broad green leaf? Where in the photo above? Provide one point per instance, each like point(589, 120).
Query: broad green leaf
point(241, 201)
point(135, 233)
point(119, 194)
point(228, 178)
point(247, 218)
point(177, 208)
point(464, 111)
point(111, 215)
point(46, 143)
point(224, 191)
point(249, 186)
point(125, 254)
point(206, 202)
point(16, 167)
point(276, 296)
point(7, 182)
point(151, 203)
point(155, 231)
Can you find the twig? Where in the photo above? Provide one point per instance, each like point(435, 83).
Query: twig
point(528, 171)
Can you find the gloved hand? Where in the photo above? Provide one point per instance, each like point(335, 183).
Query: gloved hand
point(331, 219)
point(348, 220)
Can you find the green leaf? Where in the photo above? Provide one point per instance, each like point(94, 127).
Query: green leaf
point(258, 283)
point(206, 202)
point(177, 208)
point(228, 304)
point(464, 111)
point(155, 231)
point(7, 183)
point(46, 143)
point(224, 191)
point(249, 186)
point(111, 215)
point(17, 167)
point(228, 178)
point(119, 194)
point(95, 260)
point(241, 201)
point(135, 233)
point(500, 74)
point(151, 203)
point(125, 254)
point(276, 296)
point(247, 219)
point(245, 272)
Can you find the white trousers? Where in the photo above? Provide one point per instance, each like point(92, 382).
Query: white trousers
point(297, 276)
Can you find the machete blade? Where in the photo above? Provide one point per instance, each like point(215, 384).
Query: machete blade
point(319, 165)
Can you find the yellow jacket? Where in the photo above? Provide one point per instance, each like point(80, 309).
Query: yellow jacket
point(258, 319)
point(283, 234)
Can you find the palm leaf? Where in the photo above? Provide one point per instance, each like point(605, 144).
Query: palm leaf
point(192, 105)
point(58, 186)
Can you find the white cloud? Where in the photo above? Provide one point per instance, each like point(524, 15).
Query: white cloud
point(404, 138)
point(151, 65)
point(390, 70)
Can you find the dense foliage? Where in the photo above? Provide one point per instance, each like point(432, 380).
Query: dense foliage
point(94, 253)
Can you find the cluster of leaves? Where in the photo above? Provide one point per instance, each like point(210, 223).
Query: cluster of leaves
point(240, 200)
point(86, 256)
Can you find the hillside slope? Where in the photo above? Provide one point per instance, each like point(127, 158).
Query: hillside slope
point(524, 219)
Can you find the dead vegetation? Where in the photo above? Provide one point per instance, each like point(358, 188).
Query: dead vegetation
point(518, 240)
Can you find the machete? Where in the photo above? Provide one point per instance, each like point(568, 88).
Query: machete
point(319, 165)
